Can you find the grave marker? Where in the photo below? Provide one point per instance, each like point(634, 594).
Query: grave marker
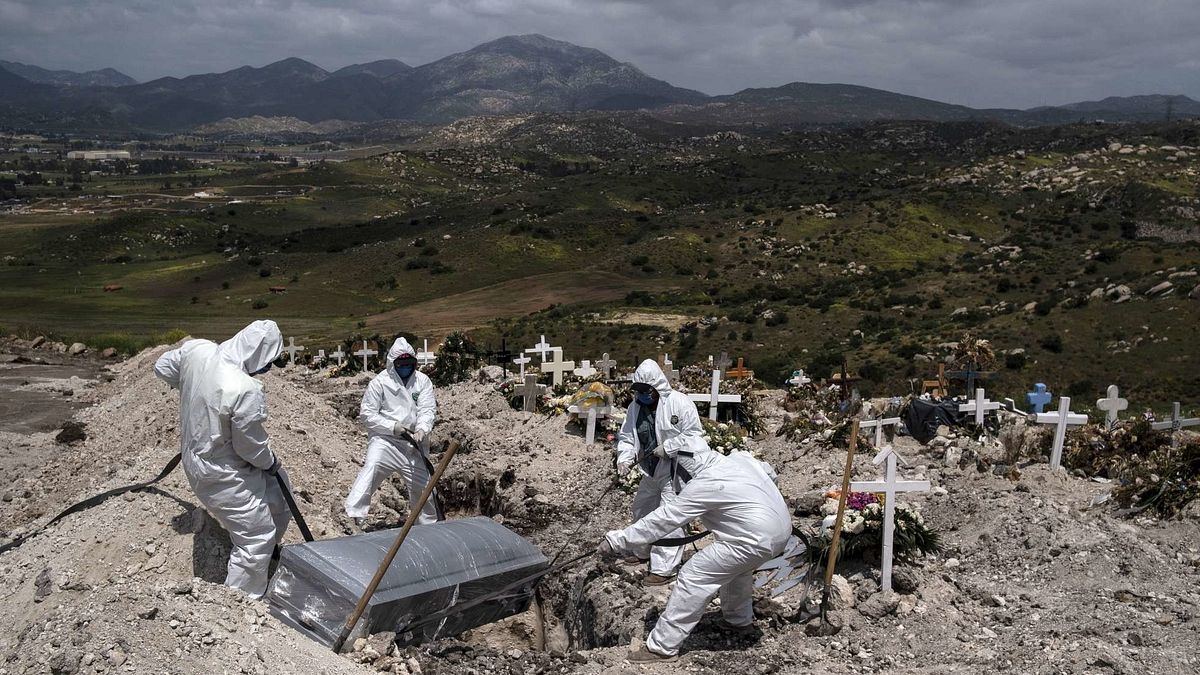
point(503, 355)
point(799, 379)
point(723, 364)
point(980, 406)
point(878, 425)
point(558, 367)
point(594, 413)
point(970, 374)
point(340, 356)
point(1061, 420)
point(671, 373)
point(320, 357)
point(425, 357)
point(1112, 405)
point(521, 361)
point(714, 396)
point(890, 486)
point(530, 392)
point(1175, 425)
point(741, 372)
point(1038, 398)
point(937, 387)
point(585, 370)
point(541, 349)
point(606, 366)
point(366, 353)
point(291, 350)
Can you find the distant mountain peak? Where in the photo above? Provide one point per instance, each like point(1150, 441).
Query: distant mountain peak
point(381, 68)
point(105, 77)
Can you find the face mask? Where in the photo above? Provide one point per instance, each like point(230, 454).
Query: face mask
point(645, 399)
point(405, 372)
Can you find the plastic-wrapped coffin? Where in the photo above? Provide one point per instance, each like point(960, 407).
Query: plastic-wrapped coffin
point(318, 583)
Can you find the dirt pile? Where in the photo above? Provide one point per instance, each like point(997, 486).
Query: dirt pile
point(1032, 579)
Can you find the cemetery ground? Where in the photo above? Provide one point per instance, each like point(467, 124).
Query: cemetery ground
point(1033, 577)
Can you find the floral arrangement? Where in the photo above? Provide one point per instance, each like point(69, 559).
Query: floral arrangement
point(821, 415)
point(723, 437)
point(862, 528)
point(698, 380)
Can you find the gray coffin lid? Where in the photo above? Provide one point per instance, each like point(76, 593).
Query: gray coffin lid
point(317, 584)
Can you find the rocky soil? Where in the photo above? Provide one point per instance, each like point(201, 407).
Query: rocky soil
point(1033, 578)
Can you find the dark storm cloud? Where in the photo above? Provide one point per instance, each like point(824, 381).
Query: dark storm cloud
point(976, 52)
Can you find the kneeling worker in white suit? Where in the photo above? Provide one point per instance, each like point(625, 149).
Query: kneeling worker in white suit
point(736, 499)
point(227, 455)
point(398, 410)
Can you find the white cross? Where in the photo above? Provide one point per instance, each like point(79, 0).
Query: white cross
point(671, 373)
point(320, 357)
point(980, 406)
point(714, 396)
point(593, 413)
point(339, 355)
point(878, 424)
point(723, 363)
point(521, 361)
point(292, 348)
point(889, 486)
point(531, 391)
point(606, 366)
point(1112, 405)
point(557, 368)
point(1174, 424)
point(585, 370)
point(1061, 420)
point(798, 378)
point(540, 349)
point(426, 357)
point(366, 353)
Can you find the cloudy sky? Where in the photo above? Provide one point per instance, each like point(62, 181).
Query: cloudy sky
point(985, 53)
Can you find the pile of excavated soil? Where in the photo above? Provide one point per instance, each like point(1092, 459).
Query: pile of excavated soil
point(1032, 578)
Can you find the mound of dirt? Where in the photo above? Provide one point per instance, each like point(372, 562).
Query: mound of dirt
point(1033, 578)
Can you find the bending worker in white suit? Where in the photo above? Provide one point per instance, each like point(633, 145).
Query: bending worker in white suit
point(736, 499)
point(658, 424)
point(227, 455)
point(398, 410)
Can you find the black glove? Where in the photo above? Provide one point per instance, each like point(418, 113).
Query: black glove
point(274, 468)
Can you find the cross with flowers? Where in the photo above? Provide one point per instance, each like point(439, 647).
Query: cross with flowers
point(890, 487)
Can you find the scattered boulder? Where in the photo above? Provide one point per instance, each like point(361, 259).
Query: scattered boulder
point(72, 432)
point(880, 604)
point(108, 353)
point(76, 349)
point(1161, 289)
point(905, 580)
point(37, 342)
point(841, 595)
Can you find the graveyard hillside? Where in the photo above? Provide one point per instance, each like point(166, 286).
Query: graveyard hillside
point(1074, 250)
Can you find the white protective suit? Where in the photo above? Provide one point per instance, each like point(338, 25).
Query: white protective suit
point(677, 427)
point(225, 447)
point(736, 499)
point(387, 403)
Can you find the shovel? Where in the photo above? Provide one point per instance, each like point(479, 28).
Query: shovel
point(291, 502)
point(831, 562)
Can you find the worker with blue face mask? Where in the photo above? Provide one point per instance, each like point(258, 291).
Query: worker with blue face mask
point(658, 423)
point(398, 410)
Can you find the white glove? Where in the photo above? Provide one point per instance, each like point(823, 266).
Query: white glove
point(623, 468)
point(660, 452)
point(419, 437)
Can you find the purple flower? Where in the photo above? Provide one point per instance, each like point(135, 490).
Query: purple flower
point(859, 500)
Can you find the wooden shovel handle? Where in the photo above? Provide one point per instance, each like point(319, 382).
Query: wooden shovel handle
point(831, 562)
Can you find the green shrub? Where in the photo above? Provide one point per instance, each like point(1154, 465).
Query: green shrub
point(457, 359)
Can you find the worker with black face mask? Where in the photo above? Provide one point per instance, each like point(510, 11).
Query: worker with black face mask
point(398, 410)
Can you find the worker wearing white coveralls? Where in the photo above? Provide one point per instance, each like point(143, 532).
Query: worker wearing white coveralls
point(675, 426)
point(398, 400)
point(736, 499)
point(227, 456)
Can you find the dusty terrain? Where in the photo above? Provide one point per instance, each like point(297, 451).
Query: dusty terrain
point(1032, 579)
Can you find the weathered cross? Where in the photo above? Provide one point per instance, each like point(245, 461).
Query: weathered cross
point(878, 425)
point(541, 349)
point(722, 364)
point(939, 385)
point(502, 356)
point(798, 378)
point(671, 373)
point(980, 406)
point(1038, 398)
point(970, 374)
point(366, 353)
point(1175, 424)
point(594, 413)
point(585, 370)
point(606, 366)
point(890, 487)
point(339, 355)
point(530, 391)
point(741, 372)
point(291, 349)
point(714, 396)
point(320, 357)
point(1061, 420)
point(557, 368)
point(1112, 405)
point(425, 357)
point(521, 361)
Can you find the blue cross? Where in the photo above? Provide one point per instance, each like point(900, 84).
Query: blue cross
point(1038, 398)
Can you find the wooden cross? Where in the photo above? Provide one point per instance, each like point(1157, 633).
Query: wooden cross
point(1038, 398)
point(741, 372)
point(937, 386)
point(291, 349)
point(722, 364)
point(521, 361)
point(541, 349)
point(890, 487)
point(970, 374)
point(531, 391)
point(1175, 424)
point(606, 366)
point(339, 355)
point(1061, 420)
point(878, 425)
point(1112, 405)
point(502, 356)
point(557, 368)
point(594, 413)
point(425, 357)
point(585, 370)
point(799, 379)
point(714, 396)
point(671, 373)
point(366, 353)
point(980, 406)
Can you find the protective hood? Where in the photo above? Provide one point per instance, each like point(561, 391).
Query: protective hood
point(399, 348)
point(702, 459)
point(650, 373)
point(254, 346)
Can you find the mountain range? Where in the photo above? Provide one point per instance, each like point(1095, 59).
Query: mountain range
point(515, 74)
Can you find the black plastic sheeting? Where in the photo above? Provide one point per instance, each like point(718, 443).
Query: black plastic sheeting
point(318, 583)
point(922, 418)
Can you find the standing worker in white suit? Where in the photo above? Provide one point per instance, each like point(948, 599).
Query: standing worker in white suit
point(398, 410)
point(658, 424)
point(227, 455)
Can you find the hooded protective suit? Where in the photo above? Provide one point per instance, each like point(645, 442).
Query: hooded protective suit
point(676, 427)
point(736, 499)
point(225, 447)
point(390, 403)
